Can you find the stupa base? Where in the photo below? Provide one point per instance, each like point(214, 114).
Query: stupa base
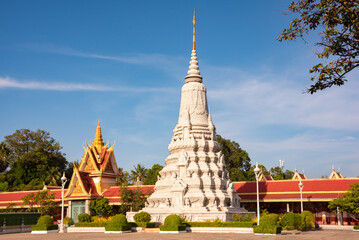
point(191, 215)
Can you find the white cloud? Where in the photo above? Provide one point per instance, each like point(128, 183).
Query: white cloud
point(170, 64)
point(7, 82)
point(267, 99)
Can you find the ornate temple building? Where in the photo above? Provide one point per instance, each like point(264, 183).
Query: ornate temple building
point(194, 181)
point(96, 172)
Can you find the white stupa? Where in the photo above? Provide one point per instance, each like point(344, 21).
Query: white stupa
point(194, 181)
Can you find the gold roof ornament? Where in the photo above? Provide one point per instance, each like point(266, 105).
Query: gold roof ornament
point(98, 142)
point(194, 30)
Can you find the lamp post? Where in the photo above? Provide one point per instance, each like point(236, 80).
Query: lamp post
point(256, 172)
point(63, 182)
point(300, 185)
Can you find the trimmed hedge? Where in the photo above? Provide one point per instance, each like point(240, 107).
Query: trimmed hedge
point(118, 223)
point(146, 224)
point(269, 230)
point(172, 228)
point(90, 224)
point(307, 220)
point(45, 220)
point(173, 223)
point(15, 219)
point(67, 220)
point(133, 224)
point(142, 217)
point(221, 224)
point(84, 217)
point(45, 223)
point(44, 227)
point(291, 221)
point(268, 224)
point(356, 227)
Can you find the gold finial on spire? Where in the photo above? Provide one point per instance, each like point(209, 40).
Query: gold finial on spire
point(98, 142)
point(194, 30)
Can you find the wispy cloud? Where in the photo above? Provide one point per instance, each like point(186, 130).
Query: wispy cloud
point(172, 65)
point(7, 82)
point(268, 99)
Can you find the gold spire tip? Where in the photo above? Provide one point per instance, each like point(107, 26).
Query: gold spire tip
point(194, 30)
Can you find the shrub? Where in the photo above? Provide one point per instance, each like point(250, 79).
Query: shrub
point(67, 221)
point(45, 223)
point(44, 227)
point(118, 223)
point(290, 221)
point(84, 217)
point(307, 220)
point(45, 220)
point(222, 224)
point(146, 224)
point(356, 227)
point(297, 222)
point(173, 220)
point(100, 207)
point(142, 217)
point(216, 220)
point(237, 217)
point(97, 219)
point(268, 224)
point(173, 223)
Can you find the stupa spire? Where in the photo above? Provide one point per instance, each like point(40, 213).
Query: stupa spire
point(98, 141)
point(194, 31)
point(193, 74)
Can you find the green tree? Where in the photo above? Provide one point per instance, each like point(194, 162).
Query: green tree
point(349, 202)
point(138, 173)
point(152, 174)
point(100, 207)
point(4, 153)
point(32, 156)
point(133, 199)
point(337, 22)
point(251, 176)
point(42, 202)
point(237, 159)
point(288, 174)
point(124, 178)
point(278, 174)
point(53, 177)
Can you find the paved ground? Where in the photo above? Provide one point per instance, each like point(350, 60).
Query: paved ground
point(313, 235)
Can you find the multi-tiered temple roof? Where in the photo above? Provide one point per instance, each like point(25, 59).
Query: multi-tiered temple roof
point(97, 170)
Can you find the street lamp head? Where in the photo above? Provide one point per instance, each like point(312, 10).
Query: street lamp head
point(63, 178)
point(300, 185)
point(256, 170)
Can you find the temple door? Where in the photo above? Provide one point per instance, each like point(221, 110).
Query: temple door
point(77, 207)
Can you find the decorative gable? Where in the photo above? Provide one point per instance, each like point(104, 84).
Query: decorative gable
point(88, 163)
point(76, 186)
point(335, 174)
point(298, 176)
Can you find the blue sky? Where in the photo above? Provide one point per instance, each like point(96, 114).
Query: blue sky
point(64, 65)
